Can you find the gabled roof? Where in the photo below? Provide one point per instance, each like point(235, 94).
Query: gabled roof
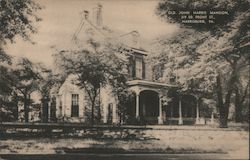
point(87, 29)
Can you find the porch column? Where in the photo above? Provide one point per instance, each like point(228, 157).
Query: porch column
point(197, 112)
point(137, 104)
point(180, 113)
point(212, 118)
point(160, 120)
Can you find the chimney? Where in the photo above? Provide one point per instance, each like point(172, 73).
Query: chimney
point(97, 14)
point(135, 39)
point(86, 15)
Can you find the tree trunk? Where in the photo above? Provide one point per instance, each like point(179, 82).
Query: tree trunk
point(223, 116)
point(219, 92)
point(220, 104)
point(99, 116)
point(93, 111)
point(238, 107)
point(224, 106)
point(225, 110)
point(15, 103)
point(26, 109)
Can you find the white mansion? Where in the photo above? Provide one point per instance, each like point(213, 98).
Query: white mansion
point(70, 103)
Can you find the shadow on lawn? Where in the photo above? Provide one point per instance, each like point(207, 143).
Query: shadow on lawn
point(135, 134)
point(102, 149)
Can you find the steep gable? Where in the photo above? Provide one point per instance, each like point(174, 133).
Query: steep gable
point(94, 29)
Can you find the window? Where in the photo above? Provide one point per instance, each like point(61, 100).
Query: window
point(60, 106)
point(138, 67)
point(60, 111)
point(110, 113)
point(53, 109)
point(75, 105)
point(158, 71)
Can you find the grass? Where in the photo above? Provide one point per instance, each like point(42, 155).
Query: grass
point(233, 142)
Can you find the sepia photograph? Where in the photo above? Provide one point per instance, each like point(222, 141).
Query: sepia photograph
point(124, 79)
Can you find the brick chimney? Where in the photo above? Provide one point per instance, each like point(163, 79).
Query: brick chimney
point(97, 15)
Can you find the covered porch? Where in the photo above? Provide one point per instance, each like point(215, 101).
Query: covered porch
point(149, 106)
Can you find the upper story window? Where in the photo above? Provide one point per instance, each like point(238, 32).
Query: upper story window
point(75, 105)
point(158, 71)
point(136, 67)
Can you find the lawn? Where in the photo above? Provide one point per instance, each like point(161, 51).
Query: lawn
point(232, 142)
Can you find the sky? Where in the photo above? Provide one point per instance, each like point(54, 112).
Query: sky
point(60, 19)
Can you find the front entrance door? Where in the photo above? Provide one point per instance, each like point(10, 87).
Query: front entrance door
point(149, 107)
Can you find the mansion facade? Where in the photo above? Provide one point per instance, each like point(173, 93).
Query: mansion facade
point(70, 103)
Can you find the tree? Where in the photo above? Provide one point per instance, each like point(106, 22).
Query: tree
point(224, 48)
point(94, 69)
point(16, 19)
point(233, 57)
point(180, 63)
point(241, 94)
point(5, 89)
point(25, 80)
point(5, 63)
point(125, 98)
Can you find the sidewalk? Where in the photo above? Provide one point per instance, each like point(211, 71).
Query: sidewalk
point(215, 127)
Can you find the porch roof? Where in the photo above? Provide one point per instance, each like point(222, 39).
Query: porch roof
point(150, 84)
